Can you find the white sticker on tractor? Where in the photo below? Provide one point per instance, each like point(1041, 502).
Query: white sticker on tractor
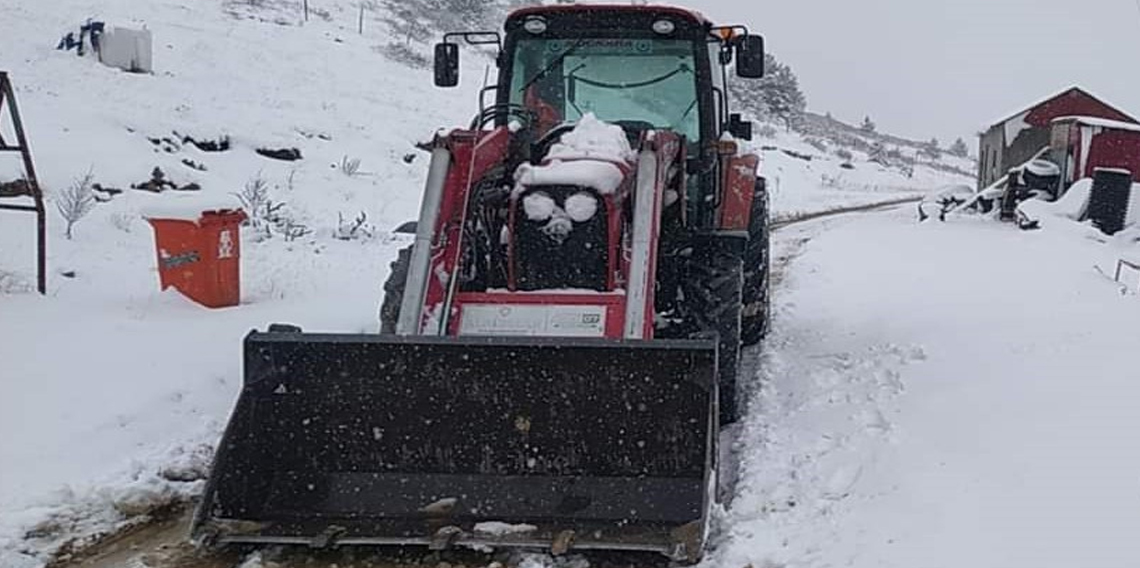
point(226, 245)
point(540, 321)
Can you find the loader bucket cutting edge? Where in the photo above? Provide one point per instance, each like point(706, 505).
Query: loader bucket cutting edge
point(362, 439)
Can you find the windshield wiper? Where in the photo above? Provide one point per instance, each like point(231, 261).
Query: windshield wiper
point(561, 56)
point(682, 68)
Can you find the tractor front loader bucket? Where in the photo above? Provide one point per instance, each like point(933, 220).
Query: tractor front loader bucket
point(504, 442)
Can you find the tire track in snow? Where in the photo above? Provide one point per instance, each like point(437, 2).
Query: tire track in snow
point(819, 405)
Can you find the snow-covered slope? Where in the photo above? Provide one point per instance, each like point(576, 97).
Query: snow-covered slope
point(803, 178)
point(112, 394)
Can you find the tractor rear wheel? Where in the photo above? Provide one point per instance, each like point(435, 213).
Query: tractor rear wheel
point(394, 291)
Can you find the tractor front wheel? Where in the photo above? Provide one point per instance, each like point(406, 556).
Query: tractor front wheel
point(757, 311)
point(394, 291)
point(712, 292)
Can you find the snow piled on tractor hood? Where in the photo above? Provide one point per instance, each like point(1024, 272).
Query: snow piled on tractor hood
point(586, 156)
point(602, 176)
point(593, 139)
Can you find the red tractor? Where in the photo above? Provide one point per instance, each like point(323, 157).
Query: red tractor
point(559, 347)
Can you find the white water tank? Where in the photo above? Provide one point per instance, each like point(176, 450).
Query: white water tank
point(127, 49)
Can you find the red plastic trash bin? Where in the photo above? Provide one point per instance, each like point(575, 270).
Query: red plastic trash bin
point(201, 259)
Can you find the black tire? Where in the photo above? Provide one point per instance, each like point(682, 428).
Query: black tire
point(757, 309)
point(394, 291)
point(712, 292)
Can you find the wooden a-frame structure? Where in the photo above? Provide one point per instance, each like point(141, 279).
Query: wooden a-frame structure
point(29, 186)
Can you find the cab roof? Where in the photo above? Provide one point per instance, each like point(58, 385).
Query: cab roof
point(691, 15)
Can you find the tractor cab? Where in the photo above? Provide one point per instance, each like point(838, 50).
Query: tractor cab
point(640, 67)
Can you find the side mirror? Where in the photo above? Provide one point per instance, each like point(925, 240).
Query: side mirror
point(750, 57)
point(738, 128)
point(446, 64)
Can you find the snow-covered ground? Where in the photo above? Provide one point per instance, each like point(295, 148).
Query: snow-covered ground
point(943, 394)
point(112, 393)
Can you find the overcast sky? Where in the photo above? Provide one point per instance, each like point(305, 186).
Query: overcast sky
point(922, 68)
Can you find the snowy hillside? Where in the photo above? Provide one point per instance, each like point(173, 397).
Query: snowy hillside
point(804, 177)
point(112, 394)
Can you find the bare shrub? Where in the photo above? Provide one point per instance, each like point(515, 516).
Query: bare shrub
point(350, 166)
point(265, 216)
point(76, 201)
point(292, 230)
point(766, 131)
point(357, 228)
point(844, 154)
point(254, 196)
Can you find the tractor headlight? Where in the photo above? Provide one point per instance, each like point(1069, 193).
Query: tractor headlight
point(535, 25)
point(664, 27)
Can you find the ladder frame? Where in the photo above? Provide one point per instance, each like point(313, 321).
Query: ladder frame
point(8, 97)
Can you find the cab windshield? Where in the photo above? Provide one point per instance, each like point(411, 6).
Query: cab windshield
point(646, 82)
